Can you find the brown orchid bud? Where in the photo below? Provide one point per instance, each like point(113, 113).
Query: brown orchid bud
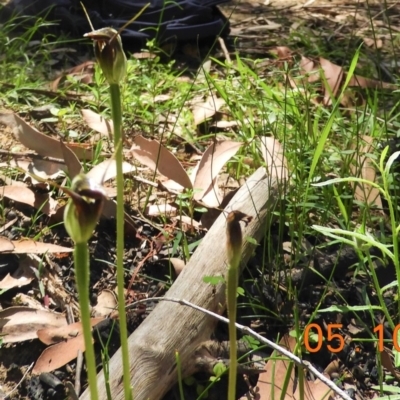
point(109, 54)
point(83, 209)
point(234, 239)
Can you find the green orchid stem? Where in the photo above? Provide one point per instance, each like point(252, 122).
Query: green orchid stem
point(116, 110)
point(81, 260)
point(231, 299)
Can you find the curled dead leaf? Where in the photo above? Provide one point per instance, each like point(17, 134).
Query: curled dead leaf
point(22, 276)
point(206, 110)
point(106, 304)
point(211, 163)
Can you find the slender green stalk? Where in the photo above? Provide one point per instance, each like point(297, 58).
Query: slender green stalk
point(231, 300)
point(116, 110)
point(234, 249)
point(81, 260)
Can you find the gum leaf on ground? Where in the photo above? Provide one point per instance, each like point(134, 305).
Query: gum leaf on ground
point(18, 324)
point(274, 158)
point(59, 354)
point(330, 75)
point(53, 335)
point(22, 276)
point(270, 384)
point(362, 167)
point(24, 246)
point(211, 163)
point(203, 111)
point(98, 123)
point(155, 156)
point(25, 195)
point(44, 145)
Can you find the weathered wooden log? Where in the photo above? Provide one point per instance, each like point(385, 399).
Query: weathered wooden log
point(174, 328)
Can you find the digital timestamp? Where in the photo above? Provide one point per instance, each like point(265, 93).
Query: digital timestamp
point(313, 346)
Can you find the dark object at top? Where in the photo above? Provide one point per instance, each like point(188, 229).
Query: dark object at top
point(165, 20)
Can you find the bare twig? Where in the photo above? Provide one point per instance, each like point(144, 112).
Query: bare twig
point(78, 371)
point(298, 361)
point(8, 396)
point(224, 50)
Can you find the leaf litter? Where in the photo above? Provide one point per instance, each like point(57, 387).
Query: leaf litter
point(320, 71)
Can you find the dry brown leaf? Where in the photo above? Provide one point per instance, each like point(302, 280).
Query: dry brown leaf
point(316, 390)
point(362, 167)
point(227, 124)
point(187, 222)
point(370, 42)
point(388, 363)
point(98, 123)
point(177, 263)
point(334, 77)
point(107, 170)
point(82, 72)
point(106, 303)
point(24, 246)
point(360, 81)
point(155, 210)
point(71, 160)
point(212, 198)
point(270, 384)
point(306, 67)
point(22, 194)
point(58, 355)
point(274, 158)
point(211, 163)
point(284, 55)
point(55, 335)
point(206, 110)
point(42, 168)
point(6, 245)
point(21, 323)
point(110, 211)
point(37, 141)
point(157, 157)
point(22, 276)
